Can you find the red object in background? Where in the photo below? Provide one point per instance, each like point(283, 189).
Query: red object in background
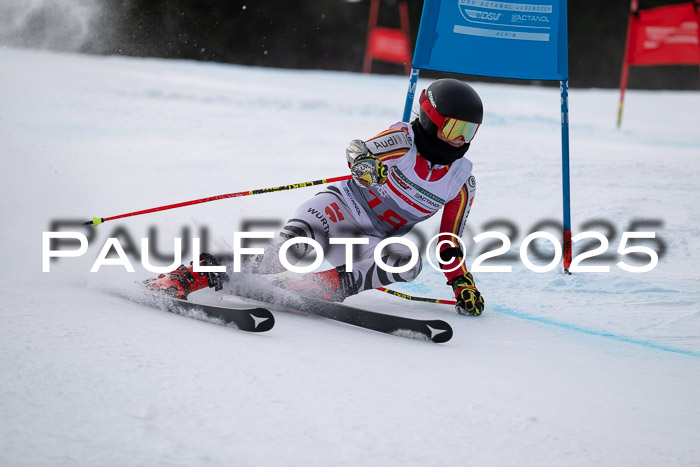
point(665, 36)
point(391, 45)
point(668, 35)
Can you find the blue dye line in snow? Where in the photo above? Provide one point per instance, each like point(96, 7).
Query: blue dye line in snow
point(592, 332)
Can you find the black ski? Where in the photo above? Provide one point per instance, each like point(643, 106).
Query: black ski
point(246, 319)
point(435, 330)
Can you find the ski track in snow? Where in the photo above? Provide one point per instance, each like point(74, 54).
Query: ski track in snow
point(593, 368)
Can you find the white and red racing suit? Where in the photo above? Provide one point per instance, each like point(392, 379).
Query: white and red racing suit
point(414, 191)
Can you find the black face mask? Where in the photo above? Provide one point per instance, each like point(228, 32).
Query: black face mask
point(434, 150)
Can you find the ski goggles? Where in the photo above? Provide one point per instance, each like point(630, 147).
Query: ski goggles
point(451, 128)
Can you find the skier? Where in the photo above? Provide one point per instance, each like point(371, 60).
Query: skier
point(400, 177)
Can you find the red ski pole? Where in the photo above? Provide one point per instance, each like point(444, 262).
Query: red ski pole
point(99, 220)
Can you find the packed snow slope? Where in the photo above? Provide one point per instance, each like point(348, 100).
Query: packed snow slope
point(597, 368)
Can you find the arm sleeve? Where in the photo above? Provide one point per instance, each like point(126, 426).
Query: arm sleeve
point(454, 218)
point(390, 144)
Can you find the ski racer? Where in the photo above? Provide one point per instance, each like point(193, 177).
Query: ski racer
point(400, 177)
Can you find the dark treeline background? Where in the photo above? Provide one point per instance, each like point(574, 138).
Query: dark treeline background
point(330, 35)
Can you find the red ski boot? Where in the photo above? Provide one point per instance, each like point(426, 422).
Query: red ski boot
point(183, 281)
point(334, 285)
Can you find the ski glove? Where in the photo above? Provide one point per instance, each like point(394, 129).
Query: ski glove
point(366, 169)
point(469, 300)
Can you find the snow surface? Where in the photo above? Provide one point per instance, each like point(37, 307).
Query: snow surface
point(588, 369)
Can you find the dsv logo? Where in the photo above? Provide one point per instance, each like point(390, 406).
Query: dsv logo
point(487, 15)
point(472, 15)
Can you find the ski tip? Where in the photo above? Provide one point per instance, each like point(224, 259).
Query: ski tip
point(439, 331)
point(263, 320)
